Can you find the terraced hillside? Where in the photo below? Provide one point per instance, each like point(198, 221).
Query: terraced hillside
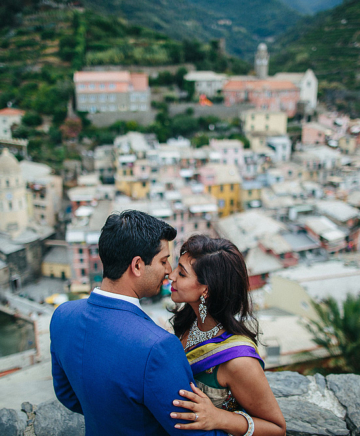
point(329, 44)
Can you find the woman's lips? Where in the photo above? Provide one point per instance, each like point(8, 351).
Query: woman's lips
point(173, 290)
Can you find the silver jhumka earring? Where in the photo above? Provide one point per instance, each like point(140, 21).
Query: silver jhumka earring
point(202, 309)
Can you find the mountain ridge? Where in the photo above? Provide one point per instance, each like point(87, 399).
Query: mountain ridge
point(310, 7)
point(242, 27)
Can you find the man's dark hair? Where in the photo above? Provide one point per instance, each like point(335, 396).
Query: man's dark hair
point(129, 234)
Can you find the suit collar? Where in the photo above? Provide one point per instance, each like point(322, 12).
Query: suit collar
point(114, 303)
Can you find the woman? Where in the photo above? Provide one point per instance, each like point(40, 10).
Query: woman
point(219, 339)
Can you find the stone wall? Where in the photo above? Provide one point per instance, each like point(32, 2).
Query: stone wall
point(312, 406)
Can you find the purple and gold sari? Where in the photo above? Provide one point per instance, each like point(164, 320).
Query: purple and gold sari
point(211, 353)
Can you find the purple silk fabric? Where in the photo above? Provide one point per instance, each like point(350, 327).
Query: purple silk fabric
point(223, 356)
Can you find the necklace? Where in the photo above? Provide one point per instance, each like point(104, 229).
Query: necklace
point(196, 335)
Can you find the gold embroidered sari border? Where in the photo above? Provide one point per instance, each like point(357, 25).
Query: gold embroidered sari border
point(218, 349)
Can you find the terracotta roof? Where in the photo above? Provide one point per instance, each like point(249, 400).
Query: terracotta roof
point(10, 111)
point(139, 81)
point(259, 85)
point(101, 76)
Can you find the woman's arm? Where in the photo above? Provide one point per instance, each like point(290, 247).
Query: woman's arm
point(248, 384)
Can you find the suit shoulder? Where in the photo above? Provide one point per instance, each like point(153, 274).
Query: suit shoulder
point(67, 309)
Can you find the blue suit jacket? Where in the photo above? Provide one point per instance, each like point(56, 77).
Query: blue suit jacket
point(114, 365)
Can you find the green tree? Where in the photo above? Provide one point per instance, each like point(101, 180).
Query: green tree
point(338, 331)
point(31, 119)
point(179, 77)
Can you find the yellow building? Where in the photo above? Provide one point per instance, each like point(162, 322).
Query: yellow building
point(250, 194)
point(347, 144)
point(223, 182)
point(273, 123)
point(56, 263)
point(132, 186)
point(130, 179)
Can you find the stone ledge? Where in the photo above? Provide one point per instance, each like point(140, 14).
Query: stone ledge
point(312, 406)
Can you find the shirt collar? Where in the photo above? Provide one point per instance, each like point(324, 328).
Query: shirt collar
point(131, 300)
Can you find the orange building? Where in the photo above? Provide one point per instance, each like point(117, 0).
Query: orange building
point(267, 94)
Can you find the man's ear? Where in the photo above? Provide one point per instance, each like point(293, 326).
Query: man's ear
point(136, 266)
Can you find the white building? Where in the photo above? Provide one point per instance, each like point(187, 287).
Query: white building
point(45, 191)
point(206, 82)
point(9, 117)
point(306, 82)
point(104, 162)
point(13, 204)
point(281, 145)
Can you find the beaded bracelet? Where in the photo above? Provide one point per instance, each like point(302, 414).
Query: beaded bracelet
point(251, 426)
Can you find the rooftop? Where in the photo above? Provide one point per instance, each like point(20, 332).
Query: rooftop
point(337, 209)
point(82, 193)
point(225, 143)
point(7, 246)
point(33, 171)
point(204, 76)
point(245, 228)
point(324, 279)
point(276, 243)
point(313, 125)
point(322, 226)
point(9, 111)
point(317, 152)
point(101, 76)
point(223, 173)
point(260, 85)
point(57, 255)
point(258, 262)
point(300, 241)
point(354, 199)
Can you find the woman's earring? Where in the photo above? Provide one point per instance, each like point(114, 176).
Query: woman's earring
point(202, 309)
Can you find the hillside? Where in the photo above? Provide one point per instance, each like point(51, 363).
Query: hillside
point(243, 27)
point(311, 6)
point(329, 43)
point(41, 49)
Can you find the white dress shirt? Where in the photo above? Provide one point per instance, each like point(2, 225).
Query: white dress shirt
point(131, 300)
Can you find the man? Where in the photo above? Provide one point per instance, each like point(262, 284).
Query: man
point(110, 361)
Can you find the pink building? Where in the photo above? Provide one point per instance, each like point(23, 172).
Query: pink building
point(315, 133)
point(111, 91)
point(86, 266)
point(231, 151)
point(264, 94)
point(142, 169)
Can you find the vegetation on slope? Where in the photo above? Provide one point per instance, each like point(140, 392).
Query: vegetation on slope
point(41, 49)
point(242, 26)
point(329, 44)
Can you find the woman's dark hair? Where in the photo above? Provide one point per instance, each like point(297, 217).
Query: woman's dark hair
point(127, 235)
point(220, 266)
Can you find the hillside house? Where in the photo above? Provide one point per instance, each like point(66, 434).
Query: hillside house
point(111, 91)
point(263, 94)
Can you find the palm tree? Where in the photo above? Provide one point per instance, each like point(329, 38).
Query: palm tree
point(338, 331)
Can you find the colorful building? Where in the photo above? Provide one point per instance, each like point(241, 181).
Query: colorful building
point(111, 91)
point(222, 182)
point(263, 94)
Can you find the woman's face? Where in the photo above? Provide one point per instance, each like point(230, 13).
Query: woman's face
point(185, 287)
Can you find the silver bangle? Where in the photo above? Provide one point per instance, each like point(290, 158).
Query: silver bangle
point(251, 426)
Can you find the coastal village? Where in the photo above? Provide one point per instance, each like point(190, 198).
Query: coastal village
point(288, 197)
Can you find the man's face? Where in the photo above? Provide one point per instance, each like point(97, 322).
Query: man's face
point(156, 272)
